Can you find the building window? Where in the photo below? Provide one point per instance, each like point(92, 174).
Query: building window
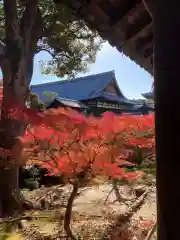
point(110, 105)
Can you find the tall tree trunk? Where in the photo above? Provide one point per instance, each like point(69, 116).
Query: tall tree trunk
point(10, 200)
point(10, 130)
point(21, 40)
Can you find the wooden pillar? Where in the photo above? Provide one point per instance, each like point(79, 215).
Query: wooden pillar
point(166, 21)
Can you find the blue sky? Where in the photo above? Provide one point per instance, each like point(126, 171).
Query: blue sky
point(132, 79)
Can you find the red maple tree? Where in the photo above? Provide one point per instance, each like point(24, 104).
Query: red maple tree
point(68, 143)
point(78, 147)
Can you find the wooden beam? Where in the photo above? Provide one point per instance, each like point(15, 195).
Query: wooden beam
point(166, 22)
point(99, 21)
point(141, 42)
point(141, 33)
point(148, 52)
point(148, 4)
point(140, 23)
point(151, 58)
point(118, 12)
point(130, 15)
point(146, 46)
point(96, 12)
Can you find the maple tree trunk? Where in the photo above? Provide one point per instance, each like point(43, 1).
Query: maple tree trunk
point(21, 36)
point(166, 23)
point(68, 213)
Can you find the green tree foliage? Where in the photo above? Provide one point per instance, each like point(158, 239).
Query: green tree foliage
point(50, 96)
point(34, 102)
point(67, 39)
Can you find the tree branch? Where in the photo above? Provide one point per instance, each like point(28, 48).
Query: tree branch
point(13, 41)
point(54, 55)
point(27, 22)
point(11, 20)
point(35, 35)
point(48, 51)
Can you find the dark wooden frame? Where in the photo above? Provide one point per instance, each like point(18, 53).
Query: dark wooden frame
point(134, 34)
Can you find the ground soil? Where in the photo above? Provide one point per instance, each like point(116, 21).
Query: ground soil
point(92, 217)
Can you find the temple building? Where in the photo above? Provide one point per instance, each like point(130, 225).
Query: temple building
point(92, 94)
point(149, 95)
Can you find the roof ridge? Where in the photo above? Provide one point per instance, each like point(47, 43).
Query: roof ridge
point(72, 80)
point(67, 99)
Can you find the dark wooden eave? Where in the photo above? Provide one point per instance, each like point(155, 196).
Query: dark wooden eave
point(125, 24)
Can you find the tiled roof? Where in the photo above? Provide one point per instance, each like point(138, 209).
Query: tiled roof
point(149, 95)
point(78, 89)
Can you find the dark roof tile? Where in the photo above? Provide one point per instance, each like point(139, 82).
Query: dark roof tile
point(78, 89)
